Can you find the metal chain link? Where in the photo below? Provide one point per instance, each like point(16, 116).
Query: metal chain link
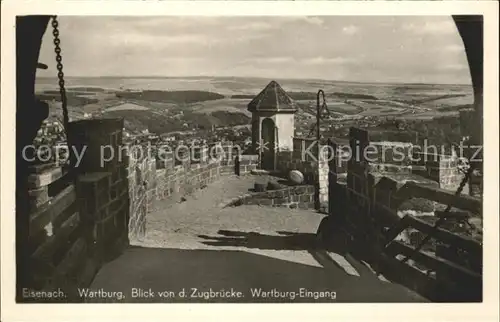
point(60, 73)
point(62, 89)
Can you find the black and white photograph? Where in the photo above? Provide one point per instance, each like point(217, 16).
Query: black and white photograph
point(248, 159)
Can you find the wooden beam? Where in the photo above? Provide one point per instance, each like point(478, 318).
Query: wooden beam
point(408, 276)
point(67, 274)
point(397, 229)
point(40, 168)
point(453, 214)
point(413, 190)
point(40, 236)
point(465, 243)
point(45, 178)
point(440, 265)
point(47, 250)
point(47, 213)
point(427, 286)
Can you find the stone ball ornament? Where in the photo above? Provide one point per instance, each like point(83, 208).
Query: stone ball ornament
point(296, 177)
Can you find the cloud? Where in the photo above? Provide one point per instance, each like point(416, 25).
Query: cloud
point(350, 30)
point(176, 59)
point(453, 48)
point(453, 67)
point(253, 26)
point(146, 41)
point(312, 20)
point(274, 60)
point(324, 60)
point(431, 27)
point(409, 48)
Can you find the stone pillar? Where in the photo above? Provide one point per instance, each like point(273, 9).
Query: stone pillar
point(255, 133)
point(151, 183)
point(333, 188)
point(444, 170)
point(228, 154)
point(102, 184)
point(204, 157)
point(358, 140)
point(99, 140)
point(471, 128)
point(323, 177)
point(91, 191)
point(169, 162)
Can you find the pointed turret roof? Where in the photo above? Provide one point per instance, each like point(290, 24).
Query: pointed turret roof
point(274, 99)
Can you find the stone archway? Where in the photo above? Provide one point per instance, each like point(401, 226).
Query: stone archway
point(268, 142)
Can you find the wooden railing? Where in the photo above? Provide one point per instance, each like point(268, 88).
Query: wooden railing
point(446, 267)
point(56, 243)
point(452, 271)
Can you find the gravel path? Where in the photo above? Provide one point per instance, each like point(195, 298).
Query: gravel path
point(196, 244)
point(190, 224)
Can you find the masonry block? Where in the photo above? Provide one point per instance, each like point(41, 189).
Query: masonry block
point(99, 140)
point(38, 197)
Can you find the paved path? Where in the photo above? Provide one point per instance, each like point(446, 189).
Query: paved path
point(198, 245)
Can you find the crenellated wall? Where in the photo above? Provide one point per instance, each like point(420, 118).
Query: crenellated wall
point(178, 177)
point(176, 180)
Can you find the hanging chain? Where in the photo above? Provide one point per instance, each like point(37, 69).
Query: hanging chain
point(62, 89)
point(60, 73)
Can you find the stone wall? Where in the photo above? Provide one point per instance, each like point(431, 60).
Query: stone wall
point(301, 197)
point(102, 184)
point(166, 177)
point(141, 175)
point(393, 157)
point(176, 178)
point(370, 223)
point(441, 168)
point(177, 181)
point(314, 166)
point(174, 181)
point(82, 220)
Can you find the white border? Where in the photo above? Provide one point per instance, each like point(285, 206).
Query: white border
point(487, 311)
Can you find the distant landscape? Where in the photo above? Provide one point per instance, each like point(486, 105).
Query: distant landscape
point(164, 105)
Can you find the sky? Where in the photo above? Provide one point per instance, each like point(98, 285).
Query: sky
point(407, 49)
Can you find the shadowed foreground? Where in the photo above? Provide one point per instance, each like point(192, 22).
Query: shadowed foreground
point(173, 270)
point(197, 245)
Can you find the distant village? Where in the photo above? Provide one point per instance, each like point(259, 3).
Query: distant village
point(52, 134)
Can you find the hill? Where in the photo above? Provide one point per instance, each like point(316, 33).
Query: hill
point(179, 97)
point(137, 120)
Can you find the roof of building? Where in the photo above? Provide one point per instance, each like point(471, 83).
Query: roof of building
point(272, 98)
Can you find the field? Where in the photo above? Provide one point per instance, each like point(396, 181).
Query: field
point(171, 104)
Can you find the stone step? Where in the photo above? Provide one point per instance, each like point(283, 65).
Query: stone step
point(259, 172)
